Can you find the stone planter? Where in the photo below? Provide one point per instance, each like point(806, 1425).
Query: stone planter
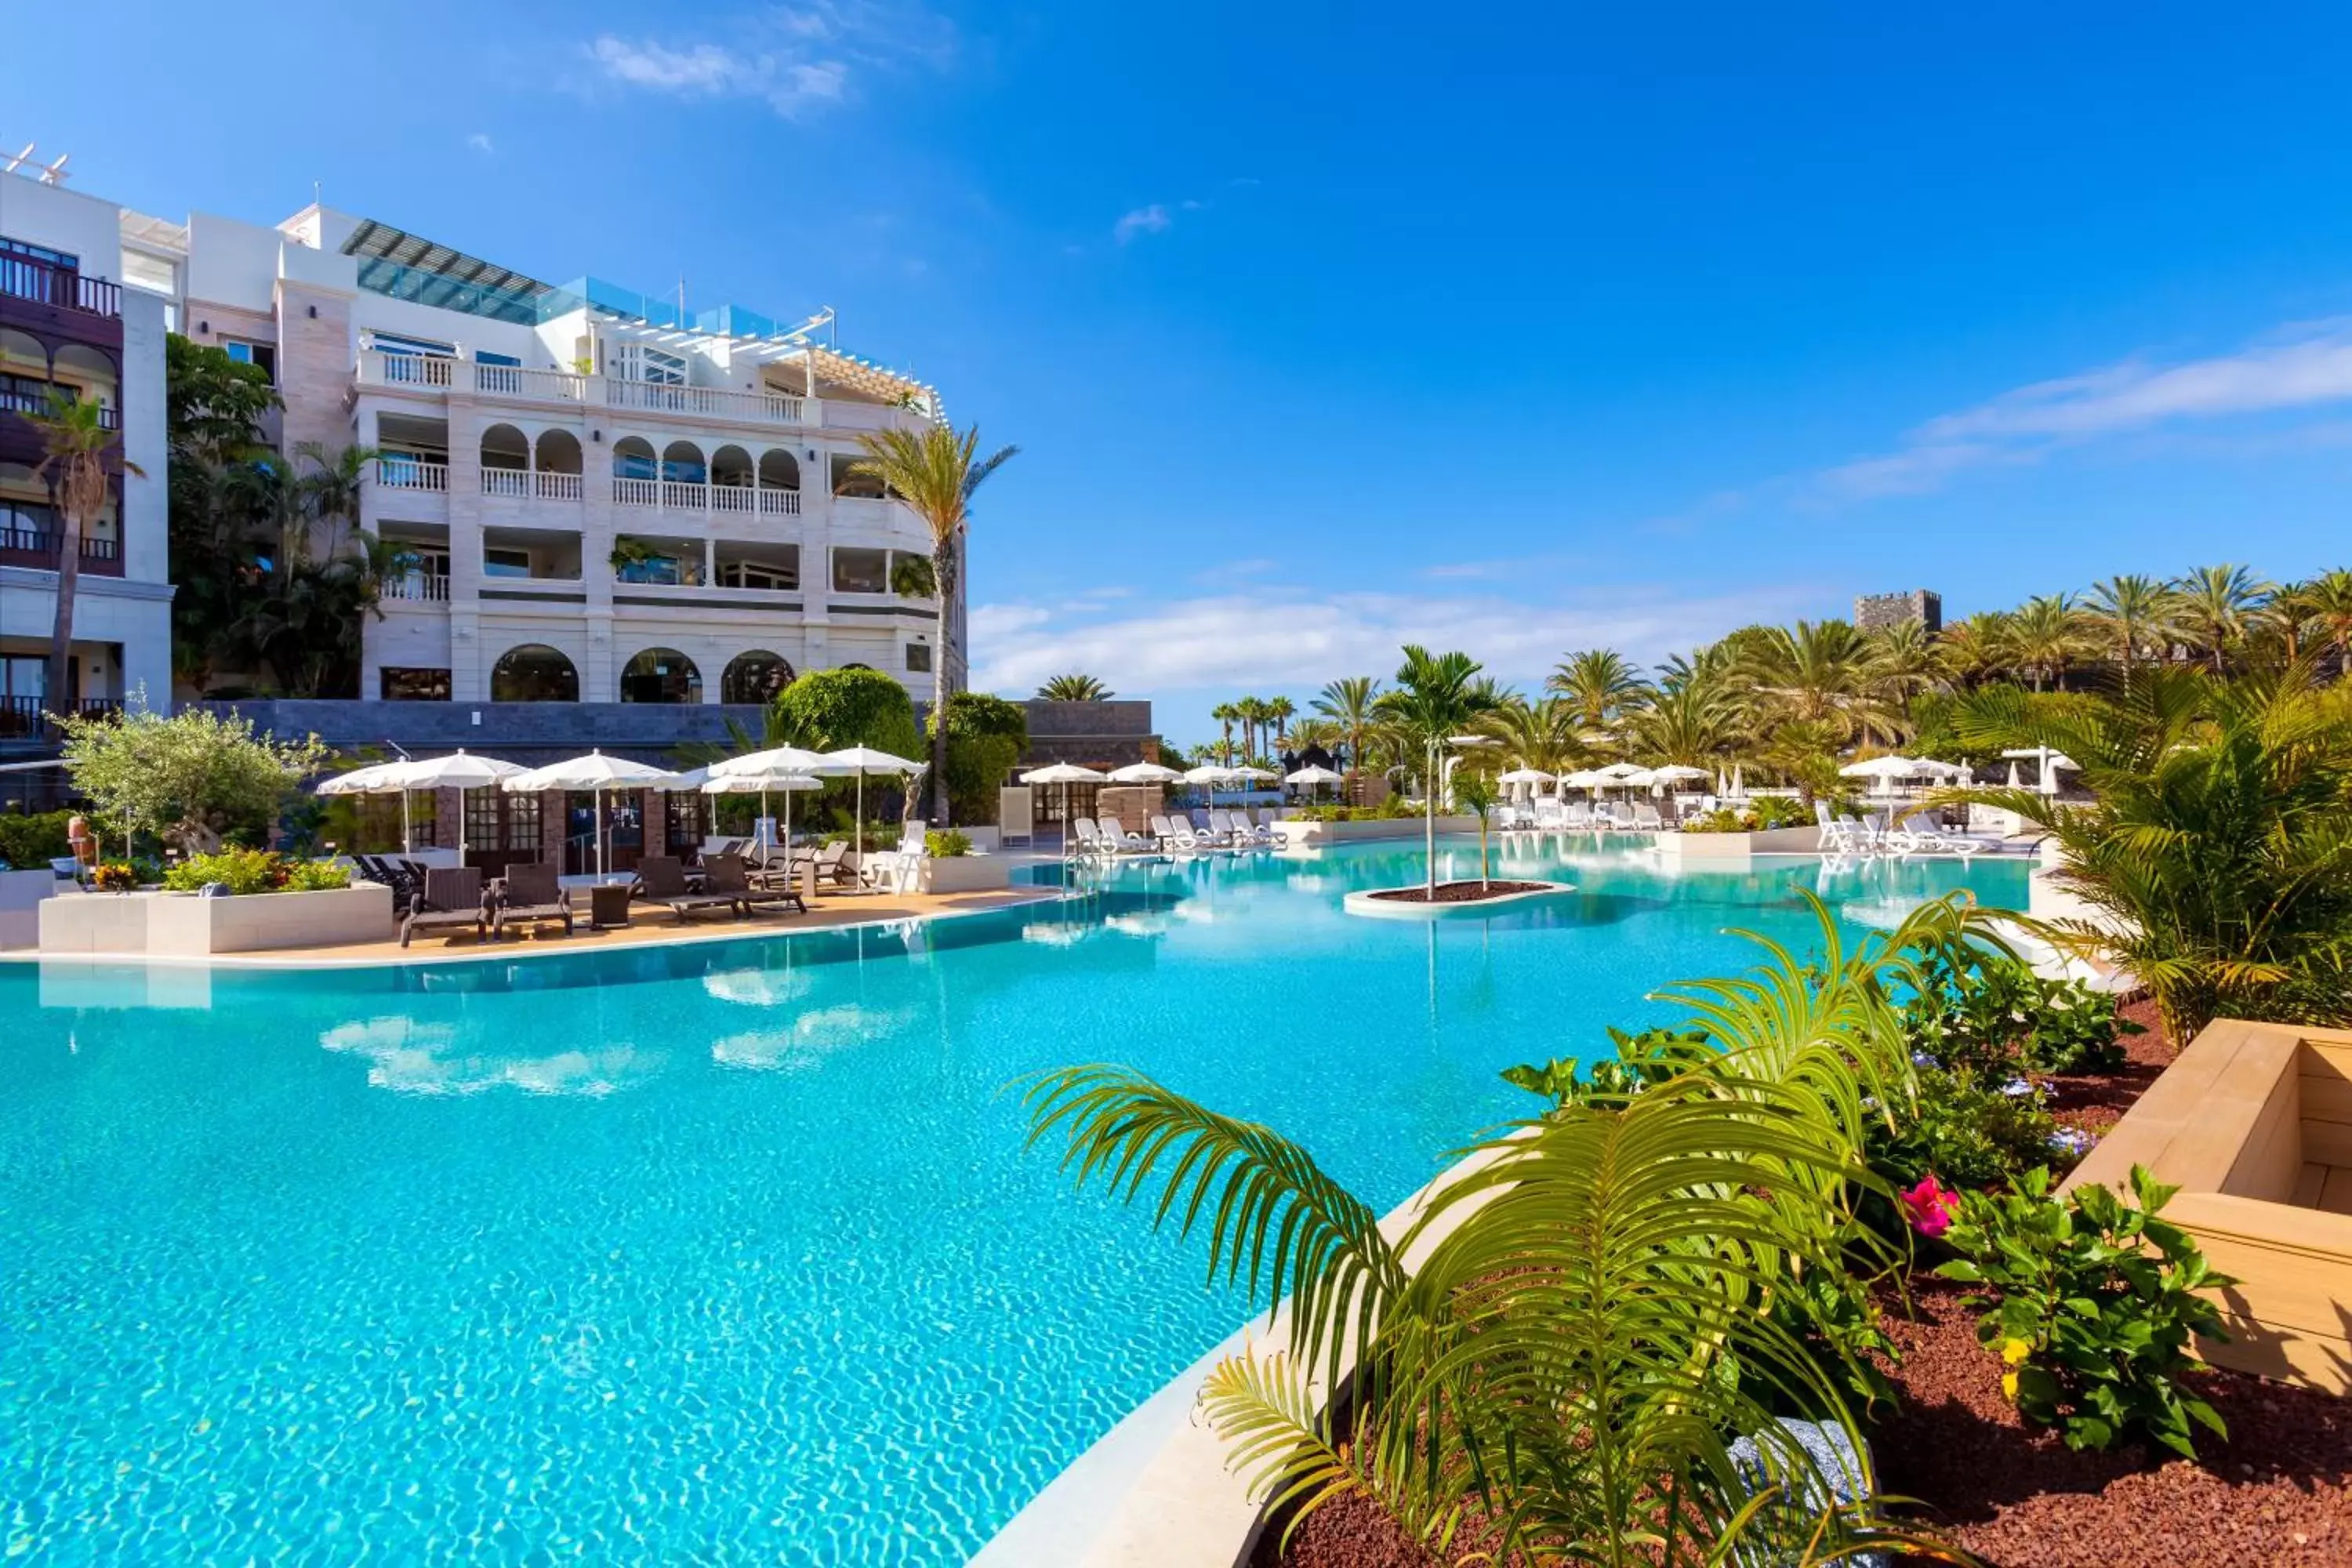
point(1294, 833)
point(965, 873)
point(188, 925)
point(1738, 849)
point(22, 893)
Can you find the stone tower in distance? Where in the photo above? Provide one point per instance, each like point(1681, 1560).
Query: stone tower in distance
point(1921, 605)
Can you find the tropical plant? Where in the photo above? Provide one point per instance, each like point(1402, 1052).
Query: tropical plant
point(1474, 792)
point(2216, 846)
point(2138, 618)
point(1598, 683)
point(1279, 711)
point(832, 709)
point(1600, 1295)
point(1352, 704)
point(2217, 605)
point(986, 736)
point(190, 777)
point(1817, 673)
point(1073, 689)
point(2330, 595)
point(934, 471)
point(2093, 1305)
point(1436, 697)
point(1691, 722)
point(2047, 635)
point(329, 488)
point(913, 576)
point(1226, 714)
point(77, 449)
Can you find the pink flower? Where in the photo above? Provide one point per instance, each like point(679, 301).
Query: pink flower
point(1932, 1207)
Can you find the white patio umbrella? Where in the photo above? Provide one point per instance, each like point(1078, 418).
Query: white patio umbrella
point(1312, 776)
point(1144, 773)
point(377, 778)
point(860, 761)
point(595, 773)
point(459, 771)
point(1066, 775)
point(781, 779)
point(2049, 762)
point(1739, 789)
point(1622, 770)
point(1255, 776)
point(1884, 770)
point(1527, 778)
point(776, 759)
point(1588, 778)
point(1674, 774)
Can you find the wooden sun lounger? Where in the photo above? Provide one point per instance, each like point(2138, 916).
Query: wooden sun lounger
point(726, 874)
point(530, 895)
point(452, 899)
point(661, 879)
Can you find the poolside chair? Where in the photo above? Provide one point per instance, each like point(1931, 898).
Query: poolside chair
point(1921, 833)
point(1089, 836)
point(1212, 834)
point(1646, 818)
point(726, 874)
point(452, 899)
point(661, 879)
point(900, 869)
point(829, 861)
point(1167, 836)
point(1118, 840)
point(530, 895)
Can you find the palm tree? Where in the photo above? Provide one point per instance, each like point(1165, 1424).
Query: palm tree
point(934, 473)
point(2217, 605)
point(1437, 695)
point(2331, 612)
point(1539, 734)
point(76, 446)
point(1279, 711)
point(329, 492)
point(1901, 661)
point(1598, 681)
point(1596, 1298)
point(1690, 723)
point(1817, 672)
point(2140, 614)
point(1226, 714)
point(2289, 617)
point(1073, 689)
point(1352, 703)
point(2046, 635)
point(1978, 648)
point(2218, 842)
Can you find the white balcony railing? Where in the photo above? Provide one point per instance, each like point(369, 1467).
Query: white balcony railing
point(678, 496)
point(734, 498)
point(429, 372)
point(411, 474)
point(536, 385)
point(442, 373)
point(780, 503)
point(637, 492)
point(417, 585)
point(557, 487)
point(511, 482)
point(718, 403)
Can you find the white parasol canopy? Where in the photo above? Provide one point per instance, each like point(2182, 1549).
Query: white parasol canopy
point(1672, 771)
point(1588, 778)
point(1314, 775)
point(377, 778)
point(862, 761)
point(1260, 776)
point(1622, 770)
point(1525, 776)
point(459, 771)
point(776, 759)
point(595, 773)
point(782, 780)
point(1066, 775)
point(1144, 773)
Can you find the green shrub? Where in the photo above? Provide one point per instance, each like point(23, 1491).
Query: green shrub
point(852, 708)
point(947, 844)
point(1638, 1061)
point(238, 870)
point(2094, 1328)
point(986, 736)
point(1988, 1013)
point(27, 842)
point(1968, 1129)
point(1771, 811)
point(315, 876)
point(1722, 821)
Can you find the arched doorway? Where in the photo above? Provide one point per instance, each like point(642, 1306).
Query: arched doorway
point(754, 676)
point(661, 674)
point(534, 672)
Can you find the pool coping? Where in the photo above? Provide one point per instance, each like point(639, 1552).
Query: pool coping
point(996, 902)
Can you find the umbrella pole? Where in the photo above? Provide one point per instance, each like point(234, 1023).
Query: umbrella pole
point(407, 833)
point(600, 831)
point(461, 827)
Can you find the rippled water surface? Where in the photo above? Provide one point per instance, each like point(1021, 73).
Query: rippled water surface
point(730, 1252)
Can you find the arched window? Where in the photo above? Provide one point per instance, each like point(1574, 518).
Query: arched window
point(661, 674)
point(559, 452)
point(731, 465)
point(534, 673)
point(632, 458)
point(504, 446)
point(778, 470)
point(682, 463)
point(754, 676)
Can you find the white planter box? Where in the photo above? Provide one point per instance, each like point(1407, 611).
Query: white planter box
point(966, 873)
point(1292, 833)
point(22, 893)
point(1737, 849)
point(186, 925)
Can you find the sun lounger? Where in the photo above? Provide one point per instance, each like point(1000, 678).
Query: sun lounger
point(1167, 836)
point(661, 879)
point(830, 863)
point(1118, 840)
point(726, 874)
point(453, 897)
point(530, 895)
point(1647, 819)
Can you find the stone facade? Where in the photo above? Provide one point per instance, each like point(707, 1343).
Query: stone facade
point(1922, 605)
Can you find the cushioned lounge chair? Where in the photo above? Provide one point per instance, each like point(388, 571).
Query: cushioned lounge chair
point(530, 895)
point(661, 879)
point(727, 874)
point(453, 897)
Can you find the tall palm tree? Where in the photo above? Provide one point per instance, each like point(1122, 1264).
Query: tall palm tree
point(1436, 695)
point(2289, 617)
point(1279, 711)
point(329, 492)
point(2140, 616)
point(1690, 723)
point(76, 446)
point(1817, 672)
point(1901, 661)
point(2331, 613)
point(1598, 681)
point(1978, 648)
point(2047, 635)
point(1226, 714)
point(934, 472)
point(1352, 703)
point(1539, 734)
point(2217, 605)
point(1073, 689)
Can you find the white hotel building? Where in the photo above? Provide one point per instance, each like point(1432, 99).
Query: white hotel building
point(608, 500)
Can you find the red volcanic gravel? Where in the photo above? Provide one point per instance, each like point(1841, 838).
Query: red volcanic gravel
point(2278, 1494)
point(1459, 892)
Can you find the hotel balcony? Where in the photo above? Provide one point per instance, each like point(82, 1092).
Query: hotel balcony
point(39, 551)
point(34, 718)
point(434, 376)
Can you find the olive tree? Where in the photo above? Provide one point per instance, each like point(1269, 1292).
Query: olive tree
point(192, 777)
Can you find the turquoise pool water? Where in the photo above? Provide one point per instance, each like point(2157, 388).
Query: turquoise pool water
point(725, 1252)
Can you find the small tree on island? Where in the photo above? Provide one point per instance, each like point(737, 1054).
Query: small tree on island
point(1474, 792)
point(191, 777)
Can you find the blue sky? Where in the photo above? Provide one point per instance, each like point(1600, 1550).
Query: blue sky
point(1326, 327)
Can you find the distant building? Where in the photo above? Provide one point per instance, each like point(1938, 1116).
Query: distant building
point(1924, 605)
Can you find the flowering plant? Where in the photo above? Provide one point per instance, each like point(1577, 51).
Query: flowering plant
point(1930, 1206)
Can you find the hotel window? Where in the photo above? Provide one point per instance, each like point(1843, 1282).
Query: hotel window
point(425, 348)
point(30, 394)
point(637, 362)
point(18, 250)
point(848, 482)
point(263, 354)
point(919, 657)
point(497, 562)
point(415, 684)
point(773, 575)
point(861, 571)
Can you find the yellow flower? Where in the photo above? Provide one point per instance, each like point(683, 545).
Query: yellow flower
point(2008, 1387)
point(2014, 1351)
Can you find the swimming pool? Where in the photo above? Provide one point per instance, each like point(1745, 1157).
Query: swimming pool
point(727, 1251)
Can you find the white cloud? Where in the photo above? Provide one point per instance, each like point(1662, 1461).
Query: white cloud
point(480, 141)
point(1283, 636)
point(797, 60)
point(2298, 368)
point(1153, 219)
